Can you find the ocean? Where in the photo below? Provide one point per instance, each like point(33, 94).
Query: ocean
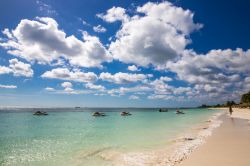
point(74, 137)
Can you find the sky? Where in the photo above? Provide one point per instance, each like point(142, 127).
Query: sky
point(178, 53)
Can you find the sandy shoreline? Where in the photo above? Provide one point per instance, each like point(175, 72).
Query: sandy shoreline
point(241, 113)
point(228, 146)
point(181, 147)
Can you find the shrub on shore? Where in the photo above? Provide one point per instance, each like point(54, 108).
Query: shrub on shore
point(245, 98)
point(244, 103)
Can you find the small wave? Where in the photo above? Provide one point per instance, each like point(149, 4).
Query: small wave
point(172, 155)
point(189, 145)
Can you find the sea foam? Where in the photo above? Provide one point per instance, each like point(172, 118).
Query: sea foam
point(171, 155)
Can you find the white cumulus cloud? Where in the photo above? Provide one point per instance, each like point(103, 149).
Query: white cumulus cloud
point(134, 97)
point(17, 68)
point(5, 70)
point(159, 34)
point(95, 87)
point(41, 40)
point(66, 74)
point(122, 78)
point(114, 14)
point(123, 90)
point(219, 73)
point(50, 89)
point(8, 86)
point(99, 29)
point(67, 86)
point(133, 68)
point(165, 78)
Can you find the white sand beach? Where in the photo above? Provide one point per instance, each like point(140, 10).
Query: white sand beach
point(228, 146)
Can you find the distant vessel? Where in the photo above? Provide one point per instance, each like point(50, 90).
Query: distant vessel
point(179, 112)
point(98, 114)
point(163, 110)
point(125, 114)
point(40, 113)
point(77, 107)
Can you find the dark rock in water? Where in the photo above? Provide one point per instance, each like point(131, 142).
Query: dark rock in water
point(125, 114)
point(98, 114)
point(40, 113)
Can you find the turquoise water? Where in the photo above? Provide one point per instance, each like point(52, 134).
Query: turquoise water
point(77, 138)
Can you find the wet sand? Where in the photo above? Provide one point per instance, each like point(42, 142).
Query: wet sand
point(228, 146)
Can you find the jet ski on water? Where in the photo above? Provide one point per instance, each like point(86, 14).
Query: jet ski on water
point(125, 113)
point(40, 113)
point(98, 114)
point(179, 112)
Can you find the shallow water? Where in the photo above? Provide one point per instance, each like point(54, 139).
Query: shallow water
point(74, 138)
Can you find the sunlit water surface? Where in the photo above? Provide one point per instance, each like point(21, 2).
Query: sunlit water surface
point(75, 137)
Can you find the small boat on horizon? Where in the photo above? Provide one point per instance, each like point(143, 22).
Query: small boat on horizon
point(163, 110)
point(98, 114)
point(40, 113)
point(125, 113)
point(179, 112)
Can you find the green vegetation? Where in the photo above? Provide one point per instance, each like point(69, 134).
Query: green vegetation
point(227, 104)
point(245, 98)
point(244, 103)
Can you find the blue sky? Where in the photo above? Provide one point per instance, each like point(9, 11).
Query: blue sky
point(123, 53)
